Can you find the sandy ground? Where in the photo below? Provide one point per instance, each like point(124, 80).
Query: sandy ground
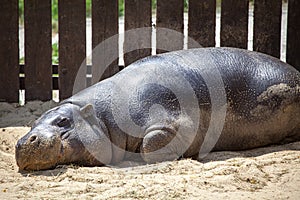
point(265, 173)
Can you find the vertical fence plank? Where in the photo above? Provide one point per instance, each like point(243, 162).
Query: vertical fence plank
point(293, 34)
point(169, 16)
point(267, 26)
point(38, 49)
point(234, 23)
point(137, 15)
point(202, 22)
point(104, 25)
point(9, 51)
point(72, 43)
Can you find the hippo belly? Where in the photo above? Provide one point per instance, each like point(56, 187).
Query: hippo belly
point(179, 104)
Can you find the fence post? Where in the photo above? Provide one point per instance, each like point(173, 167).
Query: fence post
point(293, 34)
point(202, 22)
point(38, 50)
point(234, 23)
point(169, 16)
point(138, 14)
point(72, 43)
point(9, 51)
point(105, 16)
point(267, 26)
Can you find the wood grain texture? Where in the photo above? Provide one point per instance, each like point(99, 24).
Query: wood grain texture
point(202, 22)
point(293, 34)
point(9, 51)
point(137, 15)
point(104, 25)
point(169, 23)
point(267, 26)
point(38, 50)
point(234, 23)
point(72, 43)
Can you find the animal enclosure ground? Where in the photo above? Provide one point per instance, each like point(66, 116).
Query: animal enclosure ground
point(264, 173)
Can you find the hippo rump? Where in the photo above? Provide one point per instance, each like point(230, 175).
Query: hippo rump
point(173, 105)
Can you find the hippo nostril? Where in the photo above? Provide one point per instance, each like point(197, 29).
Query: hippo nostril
point(33, 138)
point(18, 145)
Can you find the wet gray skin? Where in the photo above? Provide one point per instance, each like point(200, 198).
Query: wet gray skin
point(55, 139)
point(262, 108)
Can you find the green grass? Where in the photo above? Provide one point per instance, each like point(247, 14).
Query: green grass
point(55, 53)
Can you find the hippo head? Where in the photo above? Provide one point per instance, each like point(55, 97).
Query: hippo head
point(63, 135)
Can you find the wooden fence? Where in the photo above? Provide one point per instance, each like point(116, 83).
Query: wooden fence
point(39, 82)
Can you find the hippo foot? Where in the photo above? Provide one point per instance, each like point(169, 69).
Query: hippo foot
point(160, 145)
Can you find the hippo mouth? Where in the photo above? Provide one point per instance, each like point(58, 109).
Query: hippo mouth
point(34, 152)
point(43, 164)
point(28, 163)
point(36, 167)
point(64, 135)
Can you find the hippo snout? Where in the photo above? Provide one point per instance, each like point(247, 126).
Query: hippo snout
point(37, 150)
point(33, 139)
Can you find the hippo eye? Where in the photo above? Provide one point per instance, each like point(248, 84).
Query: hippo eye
point(64, 122)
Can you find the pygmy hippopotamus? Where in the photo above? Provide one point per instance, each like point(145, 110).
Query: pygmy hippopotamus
point(168, 106)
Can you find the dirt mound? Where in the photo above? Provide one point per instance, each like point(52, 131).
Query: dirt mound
point(16, 115)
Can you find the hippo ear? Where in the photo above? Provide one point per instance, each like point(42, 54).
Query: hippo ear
point(98, 136)
point(87, 111)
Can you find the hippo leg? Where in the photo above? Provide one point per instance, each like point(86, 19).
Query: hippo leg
point(163, 144)
point(154, 147)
